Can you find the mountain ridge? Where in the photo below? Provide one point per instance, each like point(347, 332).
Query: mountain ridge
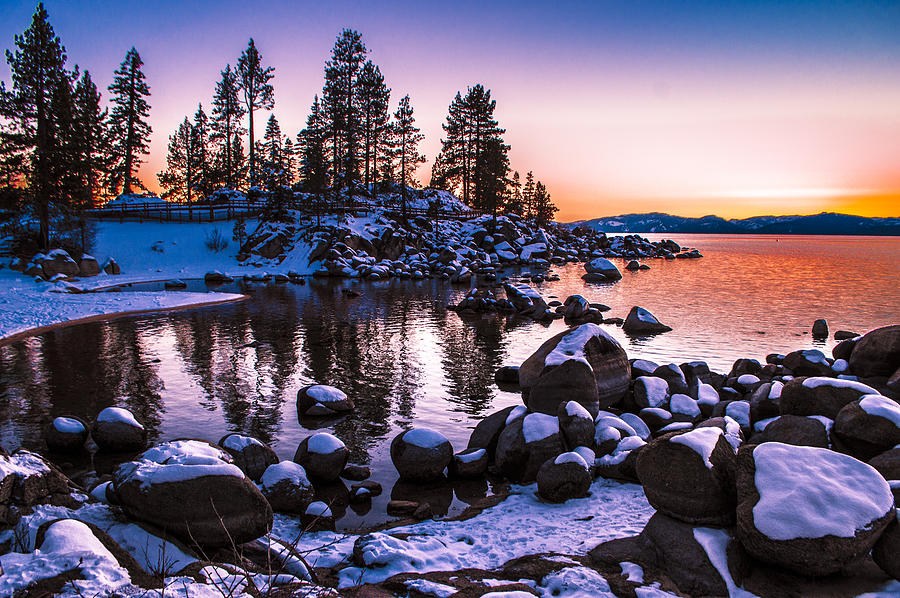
point(823, 223)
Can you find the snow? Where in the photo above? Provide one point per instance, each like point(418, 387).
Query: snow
point(739, 411)
point(430, 588)
point(644, 365)
point(775, 390)
point(632, 571)
point(645, 316)
point(881, 407)
point(604, 433)
point(67, 425)
point(425, 438)
point(538, 426)
point(238, 442)
point(517, 412)
point(521, 524)
point(707, 394)
point(99, 491)
point(637, 424)
point(747, 379)
point(732, 432)
point(117, 414)
point(809, 492)
point(702, 441)
point(657, 389)
point(318, 509)
point(149, 473)
point(577, 410)
point(575, 582)
point(472, 456)
point(586, 454)
point(715, 544)
point(676, 426)
point(817, 381)
point(814, 356)
point(840, 366)
point(680, 403)
point(22, 463)
point(615, 422)
point(630, 443)
point(325, 394)
point(571, 457)
point(571, 346)
point(186, 452)
point(285, 470)
point(324, 443)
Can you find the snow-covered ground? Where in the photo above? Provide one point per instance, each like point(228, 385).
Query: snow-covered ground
point(180, 252)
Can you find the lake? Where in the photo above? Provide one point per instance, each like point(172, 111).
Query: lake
point(407, 360)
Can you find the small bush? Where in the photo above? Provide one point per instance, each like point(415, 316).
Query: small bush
point(215, 240)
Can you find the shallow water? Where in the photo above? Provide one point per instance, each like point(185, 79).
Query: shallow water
point(406, 360)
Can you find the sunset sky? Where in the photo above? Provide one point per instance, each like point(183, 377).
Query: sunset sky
point(692, 108)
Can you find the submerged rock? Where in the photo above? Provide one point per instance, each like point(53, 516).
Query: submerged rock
point(641, 321)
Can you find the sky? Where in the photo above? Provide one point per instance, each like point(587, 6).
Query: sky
point(688, 107)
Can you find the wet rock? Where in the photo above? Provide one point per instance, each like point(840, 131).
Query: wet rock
point(820, 329)
point(250, 454)
point(877, 353)
point(567, 476)
point(116, 430)
point(807, 362)
point(868, 427)
point(321, 400)
point(508, 374)
point(470, 463)
point(601, 270)
point(66, 434)
point(886, 551)
point(809, 510)
point(421, 455)
point(525, 444)
point(487, 431)
point(641, 321)
point(323, 456)
point(356, 473)
point(287, 488)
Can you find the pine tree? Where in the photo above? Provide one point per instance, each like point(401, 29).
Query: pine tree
point(407, 138)
point(515, 204)
point(543, 207)
point(311, 145)
point(374, 97)
point(257, 91)
point(271, 158)
point(289, 160)
point(129, 127)
point(37, 70)
point(226, 124)
point(91, 124)
point(341, 104)
point(206, 176)
point(182, 176)
point(528, 196)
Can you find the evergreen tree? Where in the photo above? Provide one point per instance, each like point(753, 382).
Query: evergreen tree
point(226, 124)
point(341, 104)
point(543, 207)
point(271, 158)
point(439, 176)
point(181, 178)
point(311, 144)
point(129, 127)
point(37, 69)
point(206, 177)
point(374, 97)
point(515, 205)
point(91, 126)
point(528, 196)
point(406, 138)
point(257, 91)
point(289, 160)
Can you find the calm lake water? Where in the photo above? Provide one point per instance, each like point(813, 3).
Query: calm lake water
point(406, 360)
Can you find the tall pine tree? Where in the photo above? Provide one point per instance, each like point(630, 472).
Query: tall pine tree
point(528, 196)
point(226, 125)
point(129, 127)
point(182, 175)
point(257, 92)
point(374, 97)
point(311, 144)
point(406, 139)
point(206, 177)
point(340, 98)
point(543, 206)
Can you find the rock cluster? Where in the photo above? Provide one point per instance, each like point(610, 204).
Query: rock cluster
point(57, 265)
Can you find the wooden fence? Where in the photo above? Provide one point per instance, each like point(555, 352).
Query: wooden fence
point(167, 211)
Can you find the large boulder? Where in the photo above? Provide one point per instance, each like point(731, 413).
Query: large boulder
point(526, 300)
point(798, 430)
point(810, 510)
point(88, 266)
point(651, 392)
point(820, 396)
point(525, 444)
point(116, 430)
point(192, 489)
point(567, 476)
point(66, 434)
point(287, 487)
point(868, 427)
point(487, 431)
point(421, 454)
point(321, 400)
point(576, 425)
point(807, 362)
point(58, 262)
point(250, 454)
point(323, 456)
point(641, 321)
point(601, 269)
point(877, 353)
point(886, 552)
point(593, 370)
point(690, 476)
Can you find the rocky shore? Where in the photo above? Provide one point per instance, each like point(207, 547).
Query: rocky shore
point(773, 475)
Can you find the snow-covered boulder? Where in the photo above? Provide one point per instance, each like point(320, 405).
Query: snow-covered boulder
point(526, 300)
point(868, 427)
point(421, 454)
point(642, 367)
point(798, 430)
point(807, 362)
point(567, 476)
point(116, 430)
point(576, 306)
point(877, 353)
point(487, 431)
point(620, 463)
point(88, 266)
point(250, 454)
point(690, 476)
point(886, 552)
point(674, 375)
point(287, 487)
point(820, 396)
point(820, 329)
point(641, 321)
point(323, 456)
point(57, 262)
point(27, 479)
point(651, 391)
point(525, 444)
point(584, 364)
point(656, 418)
point(600, 270)
point(807, 509)
point(576, 425)
point(469, 463)
point(321, 400)
point(111, 267)
point(66, 434)
point(192, 489)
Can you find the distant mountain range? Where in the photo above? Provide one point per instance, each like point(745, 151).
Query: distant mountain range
point(826, 223)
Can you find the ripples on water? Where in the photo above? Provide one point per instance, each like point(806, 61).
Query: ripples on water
point(406, 360)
